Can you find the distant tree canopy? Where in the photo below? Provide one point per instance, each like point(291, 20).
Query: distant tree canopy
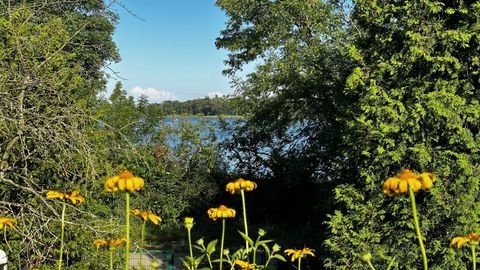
point(203, 106)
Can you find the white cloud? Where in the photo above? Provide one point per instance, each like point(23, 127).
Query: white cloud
point(216, 94)
point(154, 95)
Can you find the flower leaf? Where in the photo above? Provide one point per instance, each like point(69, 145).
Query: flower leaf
point(248, 239)
point(211, 246)
point(279, 257)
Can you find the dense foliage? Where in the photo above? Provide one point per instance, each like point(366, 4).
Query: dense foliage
point(57, 134)
point(343, 96)
point(45, 86)
point(417, 83)
point(295, 107)
point(348, 96)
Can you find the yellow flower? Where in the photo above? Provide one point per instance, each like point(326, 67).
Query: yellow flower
point(55, 195)
point(221, 212)
point(240, 184)
point(116, 242)
point(125, 181)
point(100, 243)
point(146, 215)
point(407, 179)
point(108, 242)
point(7, 222)
point(299, 253)
point(459, 241)
point(188, 223)
point(244, 265)
point(74, 196)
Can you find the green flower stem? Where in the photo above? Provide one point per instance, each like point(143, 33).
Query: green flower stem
point(127, 230)
point(209, 261)
point(371, 265)
point(417, 228)
point(142, 244)
point(474, 257)
point(242, 192)
point(111, 258)
point(391, 263)
point(190, 246)
point(64, 206)
point(299, 263)
point(221, 243)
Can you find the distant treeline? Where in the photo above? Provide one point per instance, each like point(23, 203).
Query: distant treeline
point(204, 106)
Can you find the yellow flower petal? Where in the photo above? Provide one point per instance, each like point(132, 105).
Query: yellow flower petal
point(7, 222)
point(244, 265)
point(136, 212)
point(100, 243)
point(299, 253)
point(138, 183)
point(154, 218)
point(121, 184)
point(230, 188)
point(308, 251)
point(390, 186)
point(402, 187)
point(427, 180)
point(75, 197)
point(415, 184)
point(111, 184)
point(116, 242)
point(129, 185)
point(459, 241)
point(55, 195)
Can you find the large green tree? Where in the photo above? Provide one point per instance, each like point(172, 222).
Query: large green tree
point(408, 99)
point(294, 105)
point(417, 84)
point(45, 83)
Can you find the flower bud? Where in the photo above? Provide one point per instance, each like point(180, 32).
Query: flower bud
point(276, 247)
point(366, 257)
point(188, 223)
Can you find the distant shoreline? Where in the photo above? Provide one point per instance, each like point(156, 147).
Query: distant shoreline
point(204, 116)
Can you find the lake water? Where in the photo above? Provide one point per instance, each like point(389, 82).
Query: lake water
point(205, 124)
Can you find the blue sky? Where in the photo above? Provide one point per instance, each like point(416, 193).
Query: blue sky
point(170, 53)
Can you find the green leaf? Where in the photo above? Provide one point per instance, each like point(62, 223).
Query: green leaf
point(245, 237)
point(279, 257)
point(211, 246)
